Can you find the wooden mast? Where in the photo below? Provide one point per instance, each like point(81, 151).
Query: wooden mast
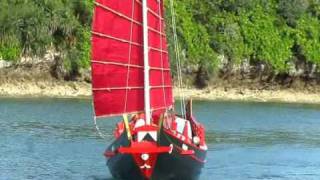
point(146, 63)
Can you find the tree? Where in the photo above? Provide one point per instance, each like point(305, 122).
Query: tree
point(269, 42)
point(292, 10)
point(308, 38)
point(194, 40)
point(30, 28)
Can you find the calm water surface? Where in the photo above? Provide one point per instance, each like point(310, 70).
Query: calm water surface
point(55, 139)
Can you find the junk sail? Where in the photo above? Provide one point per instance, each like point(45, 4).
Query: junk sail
point(117, 58)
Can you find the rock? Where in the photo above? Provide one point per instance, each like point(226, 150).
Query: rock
point(5, 64)
point(58, 70)
point(49, 57)
point(42, 86)
point(74, 86)
point(241, 92)
point(245, 66)
point(85, 75)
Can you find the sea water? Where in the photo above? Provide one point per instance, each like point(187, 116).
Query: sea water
point(56, 139)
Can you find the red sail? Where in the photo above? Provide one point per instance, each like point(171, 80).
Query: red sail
point(117, 58)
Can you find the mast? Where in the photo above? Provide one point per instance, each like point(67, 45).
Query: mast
point(146, 63)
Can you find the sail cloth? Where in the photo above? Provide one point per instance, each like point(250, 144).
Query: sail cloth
point(117, 58)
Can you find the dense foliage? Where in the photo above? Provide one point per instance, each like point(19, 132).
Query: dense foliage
point(272, 32)
point(31, 27)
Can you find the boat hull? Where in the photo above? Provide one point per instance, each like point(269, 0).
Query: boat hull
point(168, 166)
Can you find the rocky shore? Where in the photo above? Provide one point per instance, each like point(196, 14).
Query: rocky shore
point(38, 80)
point(236, 94)
point(54, 89)
point(65, 89)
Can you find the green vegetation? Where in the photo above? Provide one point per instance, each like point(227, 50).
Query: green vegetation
point(31, 27)
point(276, 33)
point(271, 32)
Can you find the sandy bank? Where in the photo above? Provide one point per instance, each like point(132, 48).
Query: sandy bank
point(287, 96)
point(63, 89)
point(46, 89)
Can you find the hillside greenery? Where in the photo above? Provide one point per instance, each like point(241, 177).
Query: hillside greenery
point(31, 27)
point(276, 33)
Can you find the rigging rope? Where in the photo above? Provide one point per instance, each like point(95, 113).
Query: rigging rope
point(98, 129)
point(129, 56)
point(178, 64)
point(94, 115)
point(161, 55)
point(96, 124)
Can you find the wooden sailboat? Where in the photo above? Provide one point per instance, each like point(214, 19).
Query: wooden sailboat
point(131, 75)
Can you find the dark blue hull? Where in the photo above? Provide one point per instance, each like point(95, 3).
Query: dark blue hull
point(174, 166)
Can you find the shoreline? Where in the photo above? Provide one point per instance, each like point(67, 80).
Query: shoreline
point(82, 90)
point(245, 95)
point(43, 89)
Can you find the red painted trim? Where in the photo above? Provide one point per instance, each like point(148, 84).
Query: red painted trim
point(109, 154)
point(193, 156)
point(144, 148)
point(198, 159)
point(137, 149)
point(144, 129)
point(185, 142)
point(187, 152)
point(147, 128)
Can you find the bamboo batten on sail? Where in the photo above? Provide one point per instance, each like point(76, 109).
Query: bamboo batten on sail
point(117, 58)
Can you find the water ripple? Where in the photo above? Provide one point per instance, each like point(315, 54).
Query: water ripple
point(43, 130)
point(260, 137)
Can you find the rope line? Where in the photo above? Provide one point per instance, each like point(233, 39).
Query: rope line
point(151, 11)
point(128, 18)
point(96, 124)
point(161, 56)
point(93, 110)
point(125, 41)
point(178, 64)
point(98, 129)
point(129, 88)
point(109, 62)
point(129, 58)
